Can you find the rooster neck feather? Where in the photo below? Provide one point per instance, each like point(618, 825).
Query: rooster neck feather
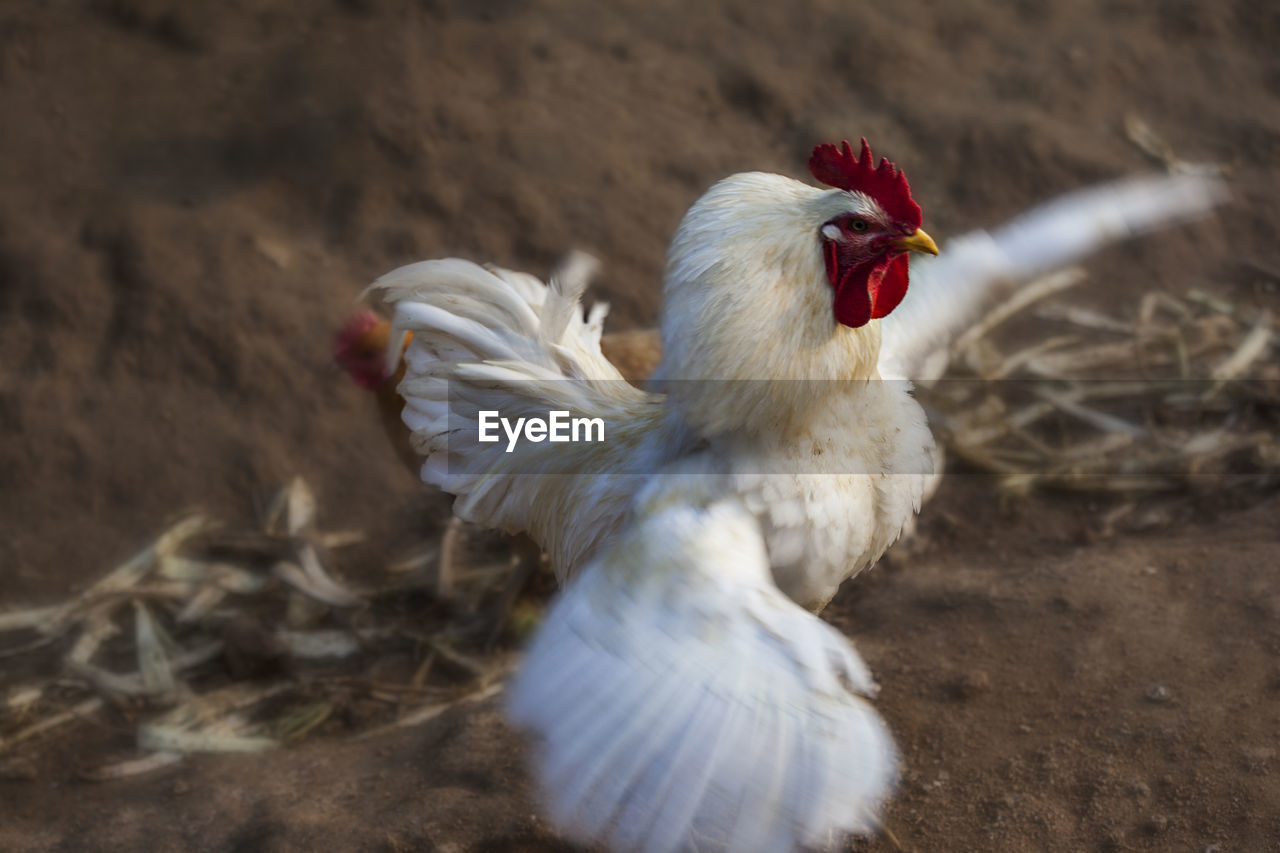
point(747, 311)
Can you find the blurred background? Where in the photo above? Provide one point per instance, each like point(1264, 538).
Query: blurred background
point(194, 194)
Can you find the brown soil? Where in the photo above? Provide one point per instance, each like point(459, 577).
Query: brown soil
point(194, 193)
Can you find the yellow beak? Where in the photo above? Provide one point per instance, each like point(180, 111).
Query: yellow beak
point(918, 241)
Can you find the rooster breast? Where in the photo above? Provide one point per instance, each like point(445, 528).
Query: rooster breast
point(834, 496)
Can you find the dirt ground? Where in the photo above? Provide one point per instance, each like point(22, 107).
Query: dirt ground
point(193, 194)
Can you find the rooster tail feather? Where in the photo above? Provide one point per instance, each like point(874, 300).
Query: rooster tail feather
point(562, 304)
point(489, 339)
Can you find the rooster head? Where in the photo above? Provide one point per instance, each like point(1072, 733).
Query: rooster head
point(360, 347)
point(865, 244)
point(770, 278)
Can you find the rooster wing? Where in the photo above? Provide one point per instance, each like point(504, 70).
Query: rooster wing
point(973, 270)
point(681, 701)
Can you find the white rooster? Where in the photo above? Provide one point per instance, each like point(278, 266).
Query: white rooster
point(683, 694)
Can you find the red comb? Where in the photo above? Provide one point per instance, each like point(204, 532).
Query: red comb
point(887, 184)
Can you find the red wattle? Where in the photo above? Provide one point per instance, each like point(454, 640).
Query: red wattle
point(870, 290)
point(853, 300)
point(865, 291)
point(889, 287)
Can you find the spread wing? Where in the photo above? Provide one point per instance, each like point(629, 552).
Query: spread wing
point(681, 701)
point(973, 270)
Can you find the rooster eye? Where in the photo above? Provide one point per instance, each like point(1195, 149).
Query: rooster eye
point(857, 225)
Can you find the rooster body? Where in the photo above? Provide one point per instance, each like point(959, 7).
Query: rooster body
point(768, 463)
point(511, 344)
point(752, 365)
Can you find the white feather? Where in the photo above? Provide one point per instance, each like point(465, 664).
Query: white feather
point(562, 304)
point(682, 702)
point(489, 339)
point(972, 270)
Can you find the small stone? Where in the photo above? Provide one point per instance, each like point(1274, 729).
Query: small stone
point(1159, 694)
point(969, 685)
